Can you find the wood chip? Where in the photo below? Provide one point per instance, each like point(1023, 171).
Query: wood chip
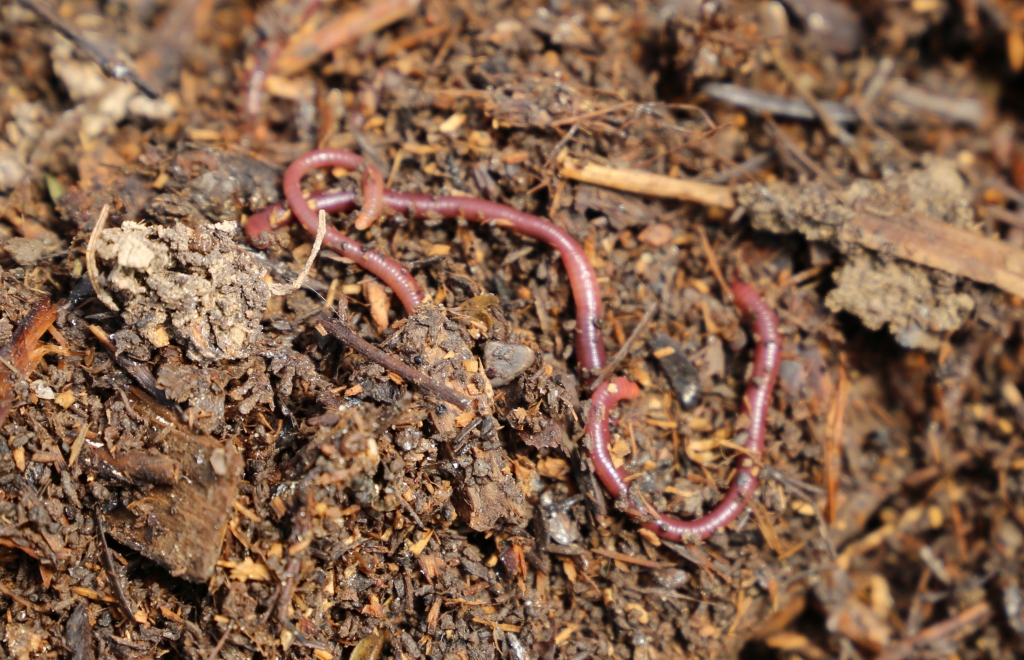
point(419, 546)
point(648, 183)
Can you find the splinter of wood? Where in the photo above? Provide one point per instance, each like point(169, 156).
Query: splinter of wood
point(347, 336)
point(108, 562)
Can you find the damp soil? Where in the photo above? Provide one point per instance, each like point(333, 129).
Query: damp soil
point(194, 467)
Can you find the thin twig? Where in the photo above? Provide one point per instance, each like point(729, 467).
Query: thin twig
point(758, 102)
point(27, 604)
point(793, 148)
point(220, 642)
point(626, 347)
point(412, 512)
point(108, 562)
point(642, 182)
point(589, 115)
point(963, 623)
point(111, 65)
point(140, 371)
point(805, 492)
point(347, 336)
point(743, 169)
point(285, 289)
point(90, 260)
point(832, 127)
point(713, 266)
point(461, 440)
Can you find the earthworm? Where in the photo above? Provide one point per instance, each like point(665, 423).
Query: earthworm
point(582, 279)
point(589, 342)
point(755, 404)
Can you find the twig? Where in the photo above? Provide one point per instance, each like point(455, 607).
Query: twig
point(341, 30)
point(589, 115)
point(449, 40)
point(111, 65)
point(648, 183)
point(90, 260)
point(743, 169)
point(971, 112)
point(412, 512)
point(461, 440)
point(108, 562)
point(626, 347)
point(138, 370)
point(223, 640)
point(618, 556)
point(27, 604)
point(833, 442)
point(805, 492)
point(758, 102)
point(713, 266)
point(1006, 189)
point(285, 289)
point(801, 155)
point(832, 127)
point(1006, 216)
point(963, 623)
point(347, 336)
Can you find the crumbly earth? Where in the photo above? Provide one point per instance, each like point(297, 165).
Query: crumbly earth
point(332, 512)
point(193, 285)
point(919, 306)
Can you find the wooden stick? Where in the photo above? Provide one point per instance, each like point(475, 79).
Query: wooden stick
point(648, 183)
point(114, 582)
point(341, 30)
point(952, 628)
point(285, 289)
point(941, 246)
point(347, 336)
point(90, 260)
point(110, 63)
point(623, 351)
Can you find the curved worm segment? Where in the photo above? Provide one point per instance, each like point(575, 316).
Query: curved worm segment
point(590, 350)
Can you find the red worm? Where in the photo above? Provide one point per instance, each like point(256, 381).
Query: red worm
point(582, 279)
point(387, 269)
point(755, 404)
point(589, 342)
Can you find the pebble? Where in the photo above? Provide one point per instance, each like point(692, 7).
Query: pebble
point(504, 362)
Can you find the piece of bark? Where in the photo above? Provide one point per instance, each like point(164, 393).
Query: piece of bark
point(181, 526)
point(941, 246)
point(488, 493)
point(78, 635)
point(341, 30)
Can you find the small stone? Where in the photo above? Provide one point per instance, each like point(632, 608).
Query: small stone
point(25, 251)
point(504, 362)
point(656, 235)
point(219, 462)
point(1009, 537)
point(42, 390)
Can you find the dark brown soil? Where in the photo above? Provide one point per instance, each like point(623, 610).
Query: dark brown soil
point(197, 468)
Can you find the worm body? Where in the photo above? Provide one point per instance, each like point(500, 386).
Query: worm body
point(589, 341)
point(755, 404)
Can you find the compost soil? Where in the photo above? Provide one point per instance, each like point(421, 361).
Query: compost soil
point(198, 468)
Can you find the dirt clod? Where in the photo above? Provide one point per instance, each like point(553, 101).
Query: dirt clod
point(190, 285)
